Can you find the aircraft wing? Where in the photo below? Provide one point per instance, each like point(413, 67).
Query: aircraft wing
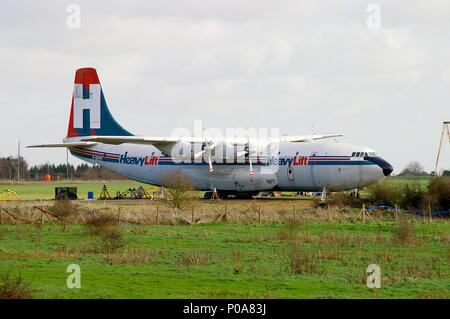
point(73, 144)
point(116, 140)
point(164, 141)
point(164, 144)
point(307, 138)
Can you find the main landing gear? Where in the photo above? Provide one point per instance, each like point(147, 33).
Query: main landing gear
point(221, 195)
point(226, 195)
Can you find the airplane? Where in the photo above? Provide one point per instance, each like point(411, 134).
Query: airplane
point(238, 165)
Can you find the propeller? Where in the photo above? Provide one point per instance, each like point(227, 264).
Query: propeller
point(207, 149)
point(211, 168)
point(247, 150)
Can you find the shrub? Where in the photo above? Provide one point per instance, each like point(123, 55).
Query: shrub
point(290, 229)
point(385, 194)
point(197, 258)
point(439, 191)
point(133, 256)
point(238, 260)
point(14, 289)
point(303, 261)
point(342, 200)
point(407, 196)
point(63, 209)
point(99, 222)
point(111, 240)
point(404, 233)
point(179, 189)
point(412, 197)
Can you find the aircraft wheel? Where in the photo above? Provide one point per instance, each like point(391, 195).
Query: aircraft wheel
point(207, 195)
point(223, 195)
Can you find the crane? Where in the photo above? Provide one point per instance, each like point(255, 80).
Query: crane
point(444, 129)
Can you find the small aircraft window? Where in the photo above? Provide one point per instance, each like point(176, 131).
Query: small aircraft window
point(353, 154)
point(357, 154)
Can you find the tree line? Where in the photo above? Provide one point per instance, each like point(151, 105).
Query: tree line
point(11, 167)
point(414, 168)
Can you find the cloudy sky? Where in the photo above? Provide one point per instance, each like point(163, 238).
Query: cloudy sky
point(286, 64)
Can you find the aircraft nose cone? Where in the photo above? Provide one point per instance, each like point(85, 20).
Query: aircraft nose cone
point(387, 170)
point(384, 165)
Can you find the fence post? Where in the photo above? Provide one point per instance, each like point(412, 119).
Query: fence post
point(396, 211)
point(294, 213)
point(193, 217)
point(328, 213)
point(157, 215)
point(225, 215)
point(259, 214)
point(118, 217)
point(363, 211)
point(429, 213)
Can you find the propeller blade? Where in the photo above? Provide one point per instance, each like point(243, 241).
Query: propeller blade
point(241, 154)
point(199, 154)
point(249, 155)
point(211, 169)
point(212, 146)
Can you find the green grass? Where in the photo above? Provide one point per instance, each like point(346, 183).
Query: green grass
point(247, 260)
point(424, 181)
point(41, 190)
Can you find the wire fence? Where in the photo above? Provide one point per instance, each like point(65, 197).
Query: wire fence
point(408, 212)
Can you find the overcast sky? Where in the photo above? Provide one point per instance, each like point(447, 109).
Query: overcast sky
point(286, 64)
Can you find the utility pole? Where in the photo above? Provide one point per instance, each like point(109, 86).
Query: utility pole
point(444, 128)
point(18, 161)
point(67, 163)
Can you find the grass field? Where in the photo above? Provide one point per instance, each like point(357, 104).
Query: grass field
point(306, 254)
point(305, 258)
point(233, 261)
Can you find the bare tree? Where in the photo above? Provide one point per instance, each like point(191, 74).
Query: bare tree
point(413, 168)
point(179, 190)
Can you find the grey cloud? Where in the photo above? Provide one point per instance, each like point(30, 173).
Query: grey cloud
point(287, 64)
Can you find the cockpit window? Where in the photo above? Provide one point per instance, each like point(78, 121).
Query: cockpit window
point(363, 154)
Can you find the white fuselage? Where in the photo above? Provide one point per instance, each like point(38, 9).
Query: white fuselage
point(305, 166)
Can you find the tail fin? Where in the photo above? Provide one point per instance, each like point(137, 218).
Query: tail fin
point(89, 114)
